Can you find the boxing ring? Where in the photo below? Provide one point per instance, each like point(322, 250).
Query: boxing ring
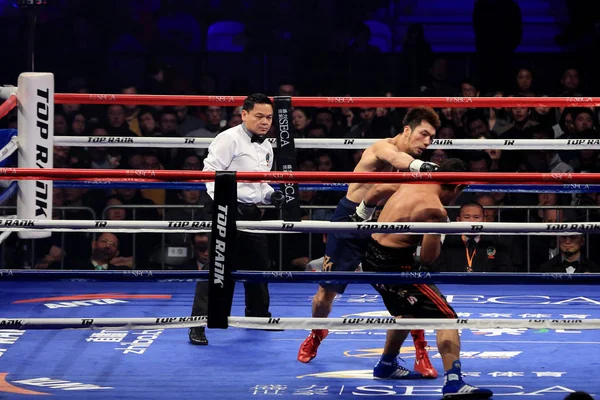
point(114, 334)
point(248, 364)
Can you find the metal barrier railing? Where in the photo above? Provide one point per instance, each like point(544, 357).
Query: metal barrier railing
point(312, 208)
point(26, 251)
point(194, 209)
point(29, 250)
point(528, 219)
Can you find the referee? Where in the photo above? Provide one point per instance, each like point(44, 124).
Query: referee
point(243, 148)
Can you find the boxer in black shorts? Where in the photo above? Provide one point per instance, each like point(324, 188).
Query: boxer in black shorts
point(418, 300)
point(393, 252)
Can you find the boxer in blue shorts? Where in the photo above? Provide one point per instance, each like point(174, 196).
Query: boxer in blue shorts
point(345, 251)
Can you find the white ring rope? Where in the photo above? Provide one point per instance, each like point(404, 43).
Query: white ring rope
point(6, 234)
point(9, 149)
point(349, 323)
point(7, 91)
point(411, 228)
point(463, 144)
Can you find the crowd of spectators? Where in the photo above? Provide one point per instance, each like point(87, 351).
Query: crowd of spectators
point(178, 28)
point(173, 250)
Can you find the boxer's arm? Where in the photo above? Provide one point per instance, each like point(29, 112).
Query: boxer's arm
point(431, 246)
point(379, 194)
point(395, 158)
point(376, 195)
point(402, 161)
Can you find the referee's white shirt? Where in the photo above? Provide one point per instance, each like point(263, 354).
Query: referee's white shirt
point(232, 150)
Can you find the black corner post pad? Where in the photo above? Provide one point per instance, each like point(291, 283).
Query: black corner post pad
point(222, 250)
point(286, 156)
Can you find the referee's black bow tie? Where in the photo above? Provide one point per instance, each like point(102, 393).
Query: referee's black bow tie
point(574, 264)
point(258, 138)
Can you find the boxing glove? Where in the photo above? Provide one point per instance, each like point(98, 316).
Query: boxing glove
point(277, 199)
point(422, 166)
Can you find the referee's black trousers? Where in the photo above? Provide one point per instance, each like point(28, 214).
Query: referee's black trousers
point(252, 253)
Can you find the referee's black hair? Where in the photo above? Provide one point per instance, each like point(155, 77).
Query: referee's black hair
point(256, 98)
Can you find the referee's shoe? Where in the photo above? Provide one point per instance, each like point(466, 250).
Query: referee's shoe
point(197, 336)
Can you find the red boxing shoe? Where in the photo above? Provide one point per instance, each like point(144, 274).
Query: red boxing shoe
point(308, 348)
point(422, 363)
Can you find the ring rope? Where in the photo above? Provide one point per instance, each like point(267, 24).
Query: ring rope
point(458, 278)
point(278, 226)
point(9, 149)
point(386, 323)
point(349, 323)
point(4, 235)
point(8, 193)
point(115, 183)
point(326, 102)
point(298, 177)
point(8, 105)
point(456, 144)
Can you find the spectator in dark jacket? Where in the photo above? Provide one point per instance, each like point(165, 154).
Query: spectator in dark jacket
point(570, 259)
point(472, 253)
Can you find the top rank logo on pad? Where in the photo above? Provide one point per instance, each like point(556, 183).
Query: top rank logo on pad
point(42, 154)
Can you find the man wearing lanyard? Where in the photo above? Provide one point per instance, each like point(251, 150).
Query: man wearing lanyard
point(473, 253)
point(471, 212)
point(470, 250)
point(244, 148)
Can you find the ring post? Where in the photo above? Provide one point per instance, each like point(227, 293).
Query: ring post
point(286, 156)
point(35, 93)
point(222, 250)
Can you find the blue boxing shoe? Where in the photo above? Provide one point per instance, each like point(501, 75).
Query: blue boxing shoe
point(456, 388)
point(388, 368)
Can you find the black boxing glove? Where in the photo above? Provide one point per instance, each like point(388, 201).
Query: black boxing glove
point(422, 166)
point(277, 199)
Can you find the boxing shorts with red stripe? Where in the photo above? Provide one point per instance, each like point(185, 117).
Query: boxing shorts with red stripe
point(410, 300)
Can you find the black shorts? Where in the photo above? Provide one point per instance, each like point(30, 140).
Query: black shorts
point(416, 300)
